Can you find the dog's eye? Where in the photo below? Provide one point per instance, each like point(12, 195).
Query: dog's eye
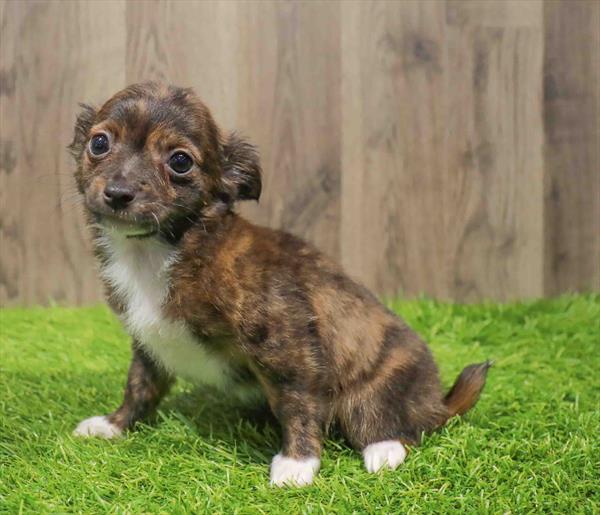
point(99, 144)
point(180, 163)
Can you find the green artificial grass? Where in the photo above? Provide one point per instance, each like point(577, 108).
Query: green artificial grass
point(530, 445)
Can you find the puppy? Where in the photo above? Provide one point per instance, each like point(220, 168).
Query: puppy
point(208, 296)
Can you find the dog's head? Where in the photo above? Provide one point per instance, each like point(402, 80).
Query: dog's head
point(152, 157)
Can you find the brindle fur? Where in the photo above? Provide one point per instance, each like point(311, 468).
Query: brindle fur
point(322, 347)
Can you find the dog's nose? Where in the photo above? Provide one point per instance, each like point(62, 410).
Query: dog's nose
point(118, 196)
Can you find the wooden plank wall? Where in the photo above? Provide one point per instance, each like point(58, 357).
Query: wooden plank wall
point(442, 147)
point(572, 125)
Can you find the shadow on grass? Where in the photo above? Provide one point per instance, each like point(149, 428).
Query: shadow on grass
point(205, 407)
point(251, 428)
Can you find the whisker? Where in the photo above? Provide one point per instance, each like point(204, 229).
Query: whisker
point(157, 221)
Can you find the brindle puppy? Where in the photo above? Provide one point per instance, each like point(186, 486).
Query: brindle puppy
point(211, 297)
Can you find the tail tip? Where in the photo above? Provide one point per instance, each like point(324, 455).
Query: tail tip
point(466, 390)
point(487, 364)
point(478, 368)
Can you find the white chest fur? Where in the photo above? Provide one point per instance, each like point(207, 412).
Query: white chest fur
point(138, 270)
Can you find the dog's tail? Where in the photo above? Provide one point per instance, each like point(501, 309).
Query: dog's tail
point(467, 388)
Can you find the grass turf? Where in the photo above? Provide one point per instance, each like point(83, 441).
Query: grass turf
point(530, 445)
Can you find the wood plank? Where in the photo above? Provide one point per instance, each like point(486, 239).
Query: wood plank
point(187, 44)
point(493, 186)
point(11, 242)
point(393, 131)
point(56, 65)
point(289, 104)
point(572, 150)
point(495, 13)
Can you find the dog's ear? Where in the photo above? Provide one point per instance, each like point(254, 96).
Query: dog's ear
point(241, 169)
point(83, 124)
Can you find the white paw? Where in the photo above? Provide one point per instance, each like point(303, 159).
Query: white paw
point(97, 426)
point(389, 453)
point(291, 472)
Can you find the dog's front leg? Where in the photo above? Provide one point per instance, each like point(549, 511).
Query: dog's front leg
point(302, 421)
point(147, 384)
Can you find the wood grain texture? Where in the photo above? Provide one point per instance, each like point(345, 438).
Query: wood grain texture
point(393, 129)
point(289, 82)
point(11, 241)
point(572, 149)
point(493, 188)
point(495, 13)
point(55, 65)
point(441, 147)
point(189, 44)
point(442, 155)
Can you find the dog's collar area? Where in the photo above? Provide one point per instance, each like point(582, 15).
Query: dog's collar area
point(142, 236)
